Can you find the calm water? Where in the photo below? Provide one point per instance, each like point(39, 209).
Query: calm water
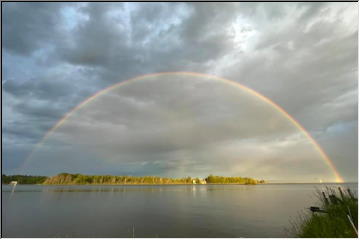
point(154, 211)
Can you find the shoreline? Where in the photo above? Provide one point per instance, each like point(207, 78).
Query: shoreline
point(172, 184)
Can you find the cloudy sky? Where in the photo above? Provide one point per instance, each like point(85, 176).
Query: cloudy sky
point(302, 56)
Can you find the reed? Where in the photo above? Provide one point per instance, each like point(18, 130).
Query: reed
point(336, 217)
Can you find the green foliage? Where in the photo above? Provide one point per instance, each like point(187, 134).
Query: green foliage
point(334, 223)
point(67, 178)
point(23, 179)
point(232, 180)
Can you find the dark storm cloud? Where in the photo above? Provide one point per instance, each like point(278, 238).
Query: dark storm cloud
point(301, 55)
point(94, 42)
point(29, 26)
point(39, 88)
point(127, 46)
point(306, 49)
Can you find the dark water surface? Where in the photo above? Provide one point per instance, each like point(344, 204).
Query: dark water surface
point(155, 211)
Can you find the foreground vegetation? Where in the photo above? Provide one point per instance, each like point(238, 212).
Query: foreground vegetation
point(23, 179)
point(67, 178)
point(336, 218)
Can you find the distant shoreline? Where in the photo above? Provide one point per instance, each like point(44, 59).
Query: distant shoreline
point(173, 184)
point(80, 179)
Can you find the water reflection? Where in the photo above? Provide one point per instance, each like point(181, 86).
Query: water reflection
point(154, 211)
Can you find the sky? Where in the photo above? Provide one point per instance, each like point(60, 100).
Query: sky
point(302, 56)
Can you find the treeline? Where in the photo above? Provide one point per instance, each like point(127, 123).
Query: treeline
point(23, 179)
point(232, 180)
point(68, 178)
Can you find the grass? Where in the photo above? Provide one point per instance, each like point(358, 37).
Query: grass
point(339, 205)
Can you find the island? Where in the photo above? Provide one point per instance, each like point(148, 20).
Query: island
point(75, 179)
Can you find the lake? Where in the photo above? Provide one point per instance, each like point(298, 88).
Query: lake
point(155, 210)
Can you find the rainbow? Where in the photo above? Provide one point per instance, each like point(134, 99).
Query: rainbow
point(326, 158)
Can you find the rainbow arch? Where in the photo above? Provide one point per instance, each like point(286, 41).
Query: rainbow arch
point(326, 158)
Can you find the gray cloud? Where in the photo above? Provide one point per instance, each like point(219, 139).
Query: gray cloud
point(217, 128)
point(42, 89)
point(303, 56)
point(29, 26)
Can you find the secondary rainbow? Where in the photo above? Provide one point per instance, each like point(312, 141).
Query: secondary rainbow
point(326, 158)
